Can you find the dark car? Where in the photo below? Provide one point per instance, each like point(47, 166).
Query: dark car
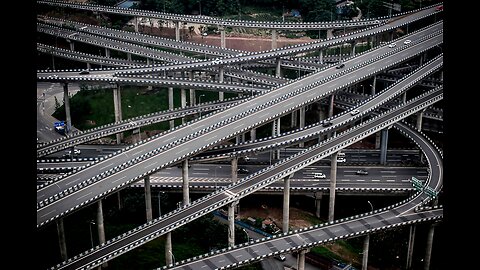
point(362, 172)
point(280, 257)
point(242, 171)
point(83, 72)
point(327, 124)
point(341, 66)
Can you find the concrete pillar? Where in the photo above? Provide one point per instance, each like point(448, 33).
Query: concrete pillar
point(231, 224)
point(301, 260)
point(148, 62)
point(274, 39)
point(276, 132)
point(321, 114)
point(383, 149)
point(177, 31)
point(366, 243)
point(302, 122)
point(278, 69)
point(135, 25)
point(222, 36)
point(220, 79)
point(294, 119)
point(320, 57)
point(441, 76)
point(185, 188)
point(129, 56)
point(101, 227)
point(329, 33)
point(72, 45)
point(318, 200)
point(404, 97)
point(183, 101)
point(148, 198)
point(333, 184)
point(61, 239)
point(192, 91)
point(170, 105)
point(428, 250)
point(330, 106)
point(377, 139)
point(391, 35)
point(119, 200)
point(66, 100)
point(168, 249)
point(117, 105)
point(353, 47)
point(89, 66)
point(253, 134)
point(411, 241)
point(419, 120)
point(107, 52)
point(234, 169)
point(286, 203)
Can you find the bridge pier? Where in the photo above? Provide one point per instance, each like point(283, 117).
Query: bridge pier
point(374, 83)
point(168, 248)
point(286, 204)
point(278, 69)
point(419, 119)
point(135, 25)
point(129, 56)
point(301, 259)
point(333, 184)
point(293, 122)
point(61, 239)
point(318, 200)
point(320, 57)
point(185, 187)
point(192, 91)
point(177, 30)
point(441, 76)
point(302, 122)
point(428, 250)
point(117, 106)
point(119, 200)
point(253, 134)
point(231, 224)
point(404, 97)
point(148, 198)
point(329, 33)
point(234, 169)
point(101, 227)
point(276, 132)
point(72, 45)
point(89, 66)
point(353, 43)
point(223, 43)
point(411, 241)
point(148, 62)
point(183, 101)
point(377, 139)
point(66, 100)
point(170, 105)
point(383, 149)
point(107, 52)
point(274, 39)
point(366, 243)
point(220, 79)
point(330, 106)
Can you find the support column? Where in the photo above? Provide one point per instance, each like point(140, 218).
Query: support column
point(185, 188)
point(119, 200)
point(66, 101)
point(411, 241)
point(183, 101)
point(294, 119)
point(428, 250)
point(276, 132)
point(253, 134)
point(107, 52)
point(222, 36)
point(148, 198)
point(330, 107)
point(302, 122)
point(61, 239)
point(135, 25)
point(441, 76)
point(353, 47)
point(419, 120)
point(366, 243)
point(72, 45)
point(378, 135)
point(318, 200)
point(329, 33)
point(170, 105)
point(117, 105)
point(168, 248)
point(278, 69)
point(192, 91)
point(148, 62)
point(231, 224)
point(129, 56)
point(234, 169)
point(383, 149)
point(286, 204)
point(274, 39)
point(177, 31)
point(100, 226)
point(89, 66)
point(404, 97)
point(333, 184)
point(320, 57)
point(301, 260)
point(220, 79)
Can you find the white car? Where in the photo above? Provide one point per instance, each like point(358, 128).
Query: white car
point(408, 41)
point(319, 175)
point(354, 112)
point(341, 160)
point(392, 45)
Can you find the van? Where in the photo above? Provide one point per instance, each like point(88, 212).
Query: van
point(319, 175)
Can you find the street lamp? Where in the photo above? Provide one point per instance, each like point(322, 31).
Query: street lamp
point(248, 237)
point(371, 206)
point(200, 101)
point(172, 256)
point(159, 208)
point(90, 227)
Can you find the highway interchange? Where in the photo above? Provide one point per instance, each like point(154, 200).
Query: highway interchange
point(106, 175)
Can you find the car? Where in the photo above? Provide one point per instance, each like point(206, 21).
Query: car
point(246, 158)
point(341, 66)
point(76, 152)
point(319, 175)
point(341, 154)
point(392, 45)
point(341, 160)
point(439, 8)
point(327, 124)
point(242, 171)
point(204, 34)
point(362, 172)
point(408, 41)
point(354, 112)
point(280, 257)
point(83, 72)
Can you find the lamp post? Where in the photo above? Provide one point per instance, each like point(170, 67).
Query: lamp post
point(371, 206)
point(172, 256)
point(90, 227)
point(248, 237)
point(159, 208)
